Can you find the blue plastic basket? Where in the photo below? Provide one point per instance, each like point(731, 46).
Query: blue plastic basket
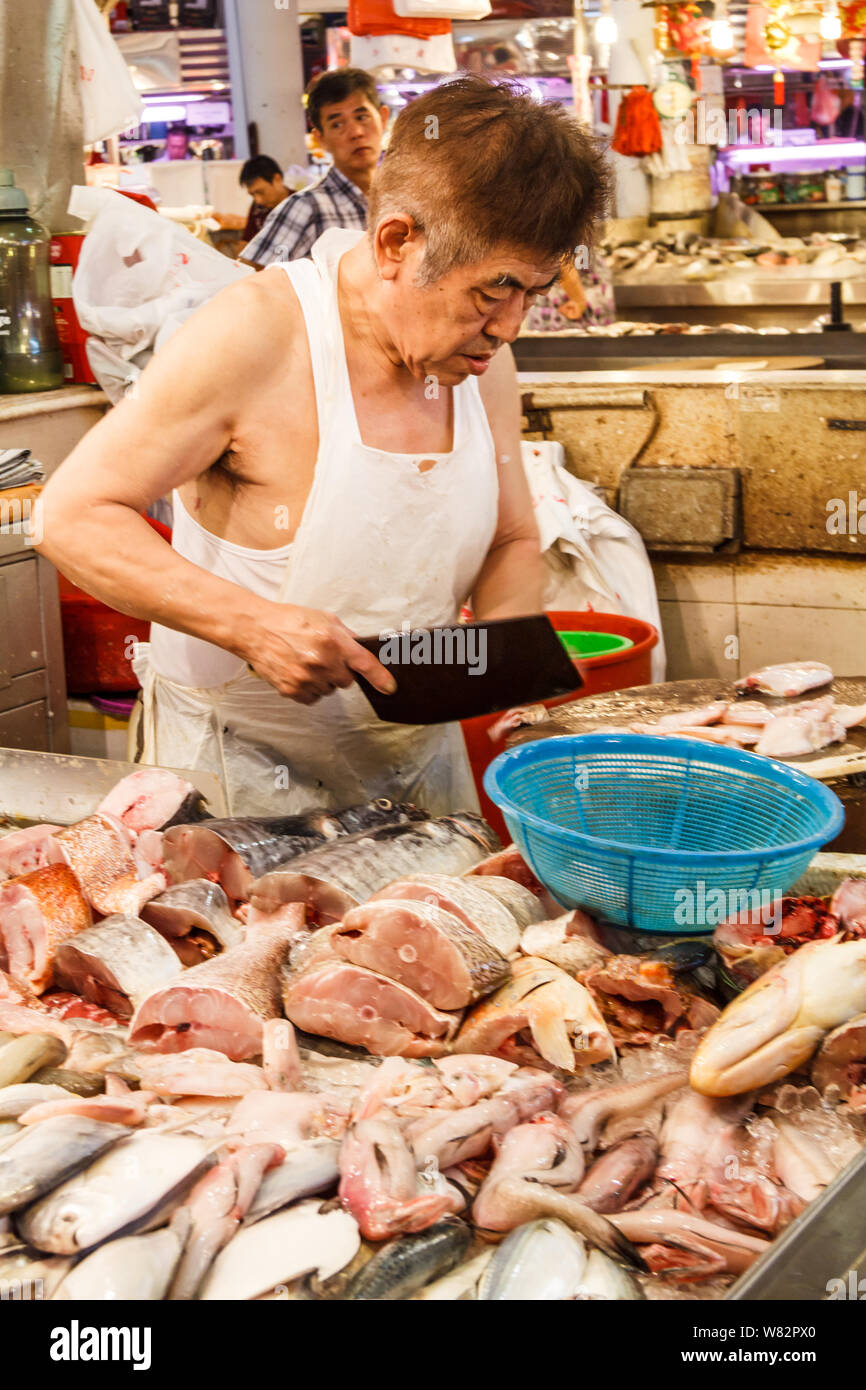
point(660, 834)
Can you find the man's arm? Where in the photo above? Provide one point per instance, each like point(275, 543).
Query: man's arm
point(179, 420)
point(289, 233)
point(512, 580)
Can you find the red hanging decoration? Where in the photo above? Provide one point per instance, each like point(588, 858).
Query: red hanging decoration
point(779, 88)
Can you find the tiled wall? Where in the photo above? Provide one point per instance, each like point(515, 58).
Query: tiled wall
point(725, 617)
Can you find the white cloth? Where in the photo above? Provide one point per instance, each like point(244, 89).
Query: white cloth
point(596, 559)
point(380, 543)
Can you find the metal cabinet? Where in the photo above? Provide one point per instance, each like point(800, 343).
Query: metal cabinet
point(32, 683)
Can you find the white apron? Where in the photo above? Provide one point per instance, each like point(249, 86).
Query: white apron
point(380, 543)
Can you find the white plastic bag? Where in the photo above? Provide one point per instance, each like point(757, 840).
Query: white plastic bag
point(109, 97)
point(596, 559)
point(140, 276)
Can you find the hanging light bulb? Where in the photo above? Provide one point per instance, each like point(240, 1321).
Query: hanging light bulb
point(605, 26)
point(721, 33)
point(831, 24)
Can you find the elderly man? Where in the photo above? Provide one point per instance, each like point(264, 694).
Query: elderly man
point(342, 436)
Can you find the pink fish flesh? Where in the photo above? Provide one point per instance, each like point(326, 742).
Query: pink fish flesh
point(787, 679)
point(152, 799)
point(22, 851)
point(221, 1004)
point(423, 947)
point(336, 999)
point(37, 912)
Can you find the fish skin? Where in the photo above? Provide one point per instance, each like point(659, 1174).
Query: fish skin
point(563, 943)
point(306, 1171)
point(245, 982)
point(544, 1252)
point(618, 1173)
point(353, 868)
point(136, 1268)
point(523, 905)
point(55, 895)
point(14, 1100)
point(464, 899)
point(25, 1055)
point(195, 903)
point(460, 1285)
point(115, 964)
point(39, 1159)
point(98, 851)
point(369, 936)
point(604, 1279)
point(403, 1266)
point(128, 1189)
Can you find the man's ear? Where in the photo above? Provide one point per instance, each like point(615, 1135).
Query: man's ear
point(395, 240)
point(384, 113)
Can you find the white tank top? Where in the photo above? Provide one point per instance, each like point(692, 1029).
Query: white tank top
point(380, 542)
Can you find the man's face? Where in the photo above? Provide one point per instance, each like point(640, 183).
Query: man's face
point(351, 133)
point(452, 328)
point(267, 193)
point(175, 145)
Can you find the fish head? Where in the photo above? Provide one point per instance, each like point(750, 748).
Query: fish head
point(760, 1036)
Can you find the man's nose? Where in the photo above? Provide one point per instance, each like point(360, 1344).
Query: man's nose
point(505, 322)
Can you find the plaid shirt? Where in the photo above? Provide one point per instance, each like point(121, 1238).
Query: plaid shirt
point(297, 222)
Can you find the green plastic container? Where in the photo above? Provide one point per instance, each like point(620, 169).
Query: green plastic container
point(582, 645)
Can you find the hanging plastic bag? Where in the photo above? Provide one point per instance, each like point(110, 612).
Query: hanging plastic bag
point(595, 558)
point(140, 276)
point(109, 97)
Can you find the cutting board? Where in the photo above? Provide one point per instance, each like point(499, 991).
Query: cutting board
point(646, 704)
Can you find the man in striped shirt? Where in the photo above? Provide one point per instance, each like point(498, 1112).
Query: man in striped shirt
point(349, 121)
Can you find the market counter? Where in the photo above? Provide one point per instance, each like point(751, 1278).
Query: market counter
point(774, 459)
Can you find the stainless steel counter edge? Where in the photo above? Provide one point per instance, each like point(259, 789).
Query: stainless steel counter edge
point(27, 403)
point(821, 379)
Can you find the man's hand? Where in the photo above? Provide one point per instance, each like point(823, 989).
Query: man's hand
point(306, 654)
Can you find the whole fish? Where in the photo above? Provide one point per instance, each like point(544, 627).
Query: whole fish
point(309, 1169)
point(281, 1248)
point(26, 1275)
point(115, 964)
point(464, 899)
point(39, 1159)
point(37, 912)
point(423, 947)
point(132, 1268)
point(236, 851)
point(775, 1025)
point(221, 1004)
point(604, 1279)
point(460, 1284)
point(542, 1261)
point(196, 903)
point(77, 1083)
point(130, 1188)
point(14, 1100)
point(348, 871)
point(21, 1057)
point(403, 1266)
point(99, 852)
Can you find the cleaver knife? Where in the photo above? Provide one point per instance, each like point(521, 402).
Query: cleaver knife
point(463, 670)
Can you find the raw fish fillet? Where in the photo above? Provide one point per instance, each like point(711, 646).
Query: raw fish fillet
point(849, 905)
point(423, 947)
point(790, 735)
point(116, 963)
point(472, 904)
point(22, 851)
point(37, 912)
point(788, 678)
point(222, 1004)
point(153, 799)
point(336, 999)
point(686, 718)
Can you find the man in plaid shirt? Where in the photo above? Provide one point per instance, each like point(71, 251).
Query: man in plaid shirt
point(349, 121)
